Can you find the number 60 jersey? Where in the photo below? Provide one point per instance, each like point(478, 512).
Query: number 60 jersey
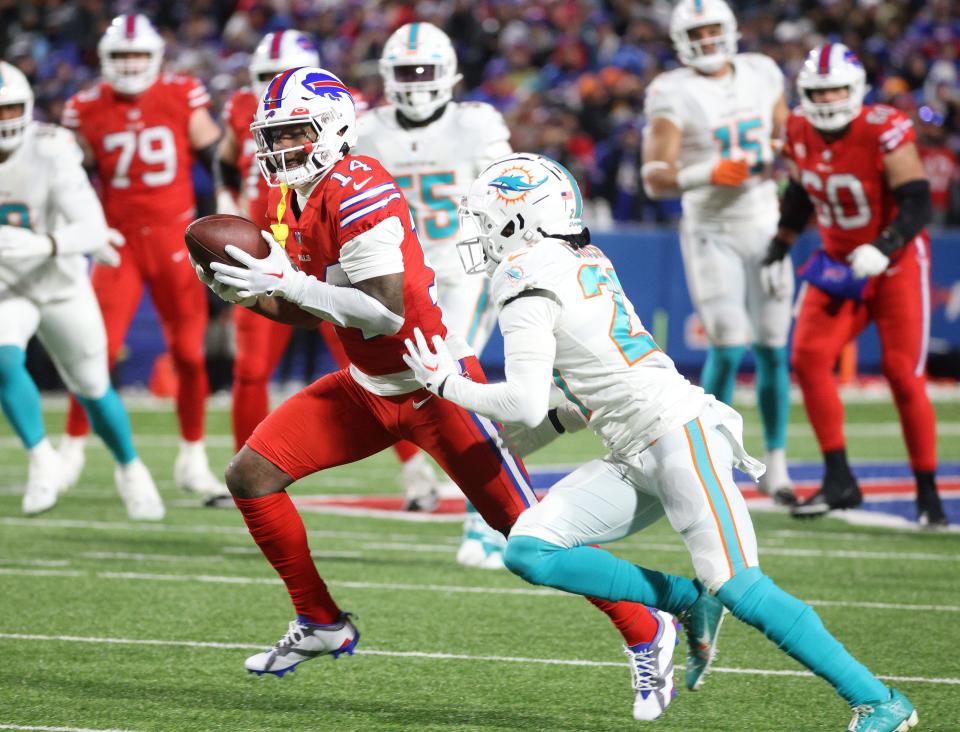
point(845, 178)
point(141, 147)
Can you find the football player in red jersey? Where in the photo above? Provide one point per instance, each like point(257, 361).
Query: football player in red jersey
point(141, 128)
point(261, 342)
point(857, 166)
point(362, 269)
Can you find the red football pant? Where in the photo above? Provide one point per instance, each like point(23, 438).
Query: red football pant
point(260, 346)
point(336, 421)
point(157, 257)
point(898, 301)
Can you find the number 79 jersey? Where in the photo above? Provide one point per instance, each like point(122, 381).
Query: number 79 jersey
point(606, 363)
point(142, 147)
point(845, 178)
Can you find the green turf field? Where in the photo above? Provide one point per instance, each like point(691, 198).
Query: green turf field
point(105, 624)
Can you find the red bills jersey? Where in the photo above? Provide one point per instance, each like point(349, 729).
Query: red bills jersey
point(237, 115)
point(845, 178)
point(142, 147)
point(356, 195)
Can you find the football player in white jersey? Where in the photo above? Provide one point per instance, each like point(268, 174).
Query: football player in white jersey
point(49, 218)
point(712, 127)
point(435, 147)
point(672, 446)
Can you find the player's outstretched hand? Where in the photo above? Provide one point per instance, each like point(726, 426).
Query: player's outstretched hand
point(108, 255)
point(430, 368)
point(18, 243)
point(867, 261)
point(730, 173)
point(224, 292)
point(265, 276)
point(775, 271)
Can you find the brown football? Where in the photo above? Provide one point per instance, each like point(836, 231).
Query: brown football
point(207, 237)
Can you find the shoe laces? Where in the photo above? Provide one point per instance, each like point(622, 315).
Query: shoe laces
point(861, 711)
point(643, 666)
point(295, 633)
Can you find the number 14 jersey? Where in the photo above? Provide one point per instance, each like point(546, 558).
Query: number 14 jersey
point(142, 148)
point(845, 178)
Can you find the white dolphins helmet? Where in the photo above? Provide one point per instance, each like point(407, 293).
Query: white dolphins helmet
point(130, 34)
point(832, 66)
point(517, 201)
point(419, 70)
point(690, 14)
point(14, 91)
point(306, 95)
point(278, 52)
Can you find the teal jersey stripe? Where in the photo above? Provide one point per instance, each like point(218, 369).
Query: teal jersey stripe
point(478, 311)
point(720, 508)
point(413, 35)
point(562, 385)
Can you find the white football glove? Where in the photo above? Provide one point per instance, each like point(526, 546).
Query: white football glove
point(867, 261)
point(775, 278)
point(107, 255)
point(227, 204)
point(266, 276)
point(224, 292)
point(522, 440)
point(430, 368)
point(18, 243)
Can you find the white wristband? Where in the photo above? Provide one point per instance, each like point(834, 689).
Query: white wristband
point(695, 176)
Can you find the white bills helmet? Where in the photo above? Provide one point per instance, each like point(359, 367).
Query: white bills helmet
point(14, 91)
point(832, 66)
point(517, 201)
point(307, 95)
point(690, 14)
point(419, 70)
point(278, 52)
point(130, 34)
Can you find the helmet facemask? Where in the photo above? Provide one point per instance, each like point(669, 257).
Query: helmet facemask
point(301, 163)
point(484, 241)
point(16, 107)
point(713, 47)
point(830, 68)
point(418, 90)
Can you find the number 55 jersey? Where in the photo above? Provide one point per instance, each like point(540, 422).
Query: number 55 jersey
point(845, 177)
point(142, 149)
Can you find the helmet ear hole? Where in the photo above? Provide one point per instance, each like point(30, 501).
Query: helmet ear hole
point(509, 230)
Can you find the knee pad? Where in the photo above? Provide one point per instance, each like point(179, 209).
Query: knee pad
point(12, 359)
point(529, 558)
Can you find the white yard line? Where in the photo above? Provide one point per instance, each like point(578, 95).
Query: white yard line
point(439, 656)
point(409, 587)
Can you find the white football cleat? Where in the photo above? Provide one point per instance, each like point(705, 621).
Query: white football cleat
point(420, 489)
point(775, 482)
point(652, 667)
point(302, 642)
point(72, 458)
point(138, 491)
point(45, 480)
point(482, 547)
point(191, 471)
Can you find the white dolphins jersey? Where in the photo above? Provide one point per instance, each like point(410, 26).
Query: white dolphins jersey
point(606, 363)
point(43, 185)
point(730, 116)
point(434, 165)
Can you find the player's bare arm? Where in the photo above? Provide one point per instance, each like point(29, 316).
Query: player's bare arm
point(89, 159)
point(779, 128)
point(226, 174)
point(202, 130)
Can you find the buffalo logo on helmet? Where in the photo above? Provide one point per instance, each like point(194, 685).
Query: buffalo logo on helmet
point(325, 85)
point(515, 183)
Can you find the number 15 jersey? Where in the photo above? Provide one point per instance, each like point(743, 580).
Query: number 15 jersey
point(606, 363)
point(142, 148)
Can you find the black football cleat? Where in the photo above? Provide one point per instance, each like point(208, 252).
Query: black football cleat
point(833, 495)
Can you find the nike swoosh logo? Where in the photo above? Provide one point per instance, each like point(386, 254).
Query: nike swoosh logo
point(358, 186)
point(278, 275)
point(431, 368)
point(417, 405)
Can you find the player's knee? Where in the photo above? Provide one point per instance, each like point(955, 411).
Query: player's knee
point(250, 475)
point(12, 360)
point(530, 558)
point(899, 372)
point(250, 372)
point(187, 356)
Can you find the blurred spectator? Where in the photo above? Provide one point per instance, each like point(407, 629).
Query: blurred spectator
point(568, 74)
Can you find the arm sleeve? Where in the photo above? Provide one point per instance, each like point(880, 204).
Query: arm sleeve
point(347, 307)
point(374, 252)
point(529, 350)
point(795, 208)
point(83, 228)
point(488, 124)
point(197, 94)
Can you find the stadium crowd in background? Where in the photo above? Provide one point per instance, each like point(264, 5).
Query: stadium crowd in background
point(568, 75)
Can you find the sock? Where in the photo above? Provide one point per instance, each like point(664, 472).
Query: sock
point(773, 393)
point(636, 623)
point(19, 397)
point(405, 450)
point(797, 630)
point(720, 371)
point(835, 464)
point(586, 570)
point(192, 391)
point(110, 420)
point(277, 528)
